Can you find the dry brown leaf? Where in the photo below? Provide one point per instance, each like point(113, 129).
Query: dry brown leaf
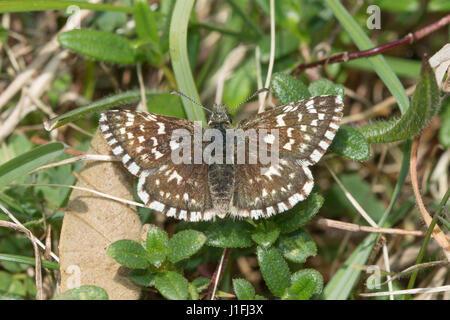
point(92, 223)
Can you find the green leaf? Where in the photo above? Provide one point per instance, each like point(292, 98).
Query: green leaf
point(44, 5)
point(267, 237)
point(157, 245)
point(147, 32)
point(288, 89)
point(98, 45)
point(201, 283)
point(166, 104)
point(84, 293)
point(184, 244)
point(337, 202)
point(97, 106)
point(28, 161)
point(285, 43)
point(243, 289)
point(237, 88)
point(129, 253)
point(424, 105)
point(342, 282)
point(297, 246)
point(145, 21)
point(325, 86)
point(229, 234)
point(180, 61)
point(401, 66)
point(444, 132)
point(351, 144)
point(142, 277)
point(172, 285)
point(300, 214)
point(28, 260)
point(274, 269)
point(305, 284)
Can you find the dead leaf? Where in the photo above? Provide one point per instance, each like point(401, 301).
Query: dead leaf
point(91, 223)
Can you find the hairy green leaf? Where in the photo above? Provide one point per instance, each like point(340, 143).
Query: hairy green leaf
point(424, 105)
point(172, 285)
point(351, 144)
point(229, 234)
point(83, 293)
point(297, 246)
point(325, 86)
point(305, 284)
point(157, 245)
point(243, 289)
point(142, 277)
point(300, 214)
point(184, 244)
point(288, 89)
point(129, 253)
point(274, 269)
point(99, 45)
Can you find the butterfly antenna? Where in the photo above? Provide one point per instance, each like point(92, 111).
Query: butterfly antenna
point(251, 97)
point(181, 94)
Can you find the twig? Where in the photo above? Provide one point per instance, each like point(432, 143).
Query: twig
point(217, 276)
point(104, 195)
point(18, 223)
point(414, 268)
point(272, 53)
point(347, 56)
point(356, 228)
point(437, 233)
point(411, 291)
point(84, 157)
point(37, 266)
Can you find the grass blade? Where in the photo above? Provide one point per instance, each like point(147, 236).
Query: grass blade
point(28, 161)
point(43, 5)
point(97, 106)
point(180, 60)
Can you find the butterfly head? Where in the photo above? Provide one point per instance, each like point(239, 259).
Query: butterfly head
point(219, 115)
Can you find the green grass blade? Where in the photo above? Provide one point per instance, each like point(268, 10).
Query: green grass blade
point(180, 60)
point(342, 282)
point(28, 260)
point(24, 163)
point(97, 106)
point(43, 5)
point(379, 63)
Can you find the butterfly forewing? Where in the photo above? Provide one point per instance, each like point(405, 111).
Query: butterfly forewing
point(306, 128)
point(140, 139)
point(144, 143)
point(305, 131)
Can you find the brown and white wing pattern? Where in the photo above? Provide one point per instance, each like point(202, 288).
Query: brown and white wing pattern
point(305, 131)
point(144, 143)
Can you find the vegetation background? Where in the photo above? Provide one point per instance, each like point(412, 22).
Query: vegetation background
point(62, 62)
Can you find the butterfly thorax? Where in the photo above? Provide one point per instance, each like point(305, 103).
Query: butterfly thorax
point(221, 175)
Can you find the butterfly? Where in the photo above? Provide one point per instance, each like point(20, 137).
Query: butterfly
point(202, 191)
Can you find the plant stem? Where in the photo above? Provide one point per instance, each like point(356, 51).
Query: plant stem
point(217, 276)
point(347, 56)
